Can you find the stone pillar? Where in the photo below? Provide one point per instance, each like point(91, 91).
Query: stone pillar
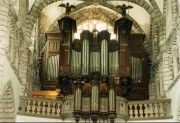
point(157, 85)
point(162, 36)
point(23, 59)
point(161, 81)
point(174, 9)
point(178, 42)
point(23, 63)
point(167, 70)
point(4, 35)
point(22, 14)
point(175, 62)
point(152, 90)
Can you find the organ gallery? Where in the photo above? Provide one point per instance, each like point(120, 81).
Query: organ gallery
point(95, 62)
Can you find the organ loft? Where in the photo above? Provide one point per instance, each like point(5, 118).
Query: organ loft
point(95, 61)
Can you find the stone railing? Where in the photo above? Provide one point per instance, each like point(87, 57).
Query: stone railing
point(126, 110)
point(149, 109)
point(39, 107)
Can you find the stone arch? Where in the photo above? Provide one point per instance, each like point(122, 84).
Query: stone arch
point(114, 16)
point(110, 17)
point(38, 6)
point(7, 107)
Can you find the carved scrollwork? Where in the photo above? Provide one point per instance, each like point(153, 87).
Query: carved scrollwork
point(77, 45)
point(113, 46)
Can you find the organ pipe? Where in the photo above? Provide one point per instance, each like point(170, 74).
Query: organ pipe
point(104, 37)
point(136, 69)
point(85, 37)
point(113, 58)
point(52, 67)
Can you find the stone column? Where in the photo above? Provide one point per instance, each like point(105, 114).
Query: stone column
point(152, 89)
point(23, 63)
point(175, 56)
point(22, 14)
point(178, 42)
point(4, 35)
point(161, 81)
point(23, 59)
point(167, 71)
point(174, 9)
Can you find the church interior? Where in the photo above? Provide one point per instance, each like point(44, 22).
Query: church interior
point(89, 61)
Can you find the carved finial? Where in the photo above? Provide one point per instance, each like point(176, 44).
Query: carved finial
point(68, 7)
point(124, 8)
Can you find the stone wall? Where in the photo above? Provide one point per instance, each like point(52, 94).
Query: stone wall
point(11, 38)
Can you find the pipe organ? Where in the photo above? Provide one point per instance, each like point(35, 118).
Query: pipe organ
point(90, 53)
point(95, 51)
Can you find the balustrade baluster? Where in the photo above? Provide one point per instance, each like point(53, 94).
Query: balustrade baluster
point(28, 106)
point(53, 109)
point(135, 111)
point(38, 107)
point(58, 109)
point(33, 107)
point(140, 111)
point(48, 108)
point(130, 111)
point(146, 110)
point(44, 108)
point(150, 110)
point(156, 109)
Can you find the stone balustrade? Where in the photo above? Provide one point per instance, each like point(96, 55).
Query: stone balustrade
point(149, 109)
point(39, 107)
point(126, 110)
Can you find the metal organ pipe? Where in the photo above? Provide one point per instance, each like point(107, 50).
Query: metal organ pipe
point(104, 37)
point(86, 37)
point(104, 60)
point(85, 59)
point(52, 67)
point(113, 58)
point(136, 69)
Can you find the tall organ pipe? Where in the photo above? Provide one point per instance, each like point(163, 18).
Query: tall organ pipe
point(113, 58)
point(104, 37)
point(85, 37)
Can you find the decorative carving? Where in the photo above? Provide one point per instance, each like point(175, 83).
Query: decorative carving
point(104, 35)
point(95, 45)
point(86, 35)
point(113, 46)
point(124, 8)
point(67, 23)
point(68, 7)
point(125, 85)
point(65, 85)
point(77, 45)
point(95, 75)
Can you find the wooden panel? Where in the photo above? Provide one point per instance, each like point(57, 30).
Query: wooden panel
point(140, 90)
point(51, 48)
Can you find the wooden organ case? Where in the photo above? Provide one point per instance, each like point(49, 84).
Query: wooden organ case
point(57, 49)
point(139, 67)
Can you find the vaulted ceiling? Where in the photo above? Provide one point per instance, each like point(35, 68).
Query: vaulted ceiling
point(141, 13)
